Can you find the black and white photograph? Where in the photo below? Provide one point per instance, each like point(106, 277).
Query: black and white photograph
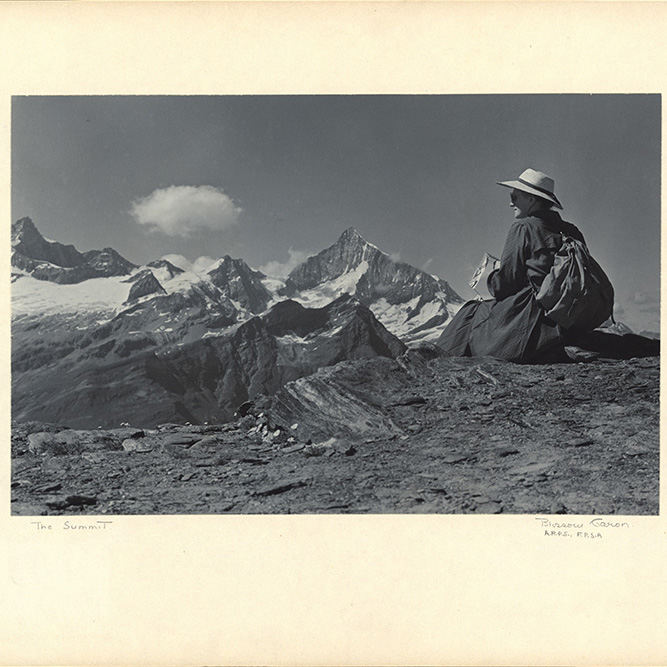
point(332, 333)
point(275, 304)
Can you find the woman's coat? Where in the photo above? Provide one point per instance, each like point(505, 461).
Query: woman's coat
point(512, 325)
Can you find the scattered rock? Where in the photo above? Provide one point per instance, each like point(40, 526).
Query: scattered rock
point(487, 376)
point(346, 449)
point(72, 442)
point(141, 446)
point(557, 507)
point(454, 458)
point(580, 442)
point(52, 443)
point(500, 394)
point(410, 400)
point(48, 488)
point(293, 448)
point(182, 439)
point(489, 507)
point(509, 451)
point(315, 450)
point(206, 463)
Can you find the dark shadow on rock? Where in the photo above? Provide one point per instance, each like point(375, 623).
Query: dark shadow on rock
point(615, 346)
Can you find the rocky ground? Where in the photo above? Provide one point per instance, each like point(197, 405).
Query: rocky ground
point(419, 434)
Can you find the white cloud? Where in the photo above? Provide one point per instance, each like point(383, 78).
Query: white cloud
point(198, 266)
point(282, 269)
point(640, 311)
point(395, 256)
point(202, 263)
point(178, 261)
point(641, 298)
point(182, 210)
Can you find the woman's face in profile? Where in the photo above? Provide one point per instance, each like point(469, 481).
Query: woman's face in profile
point(521, 202)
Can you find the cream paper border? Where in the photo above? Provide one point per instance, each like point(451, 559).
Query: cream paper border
point(325, 590)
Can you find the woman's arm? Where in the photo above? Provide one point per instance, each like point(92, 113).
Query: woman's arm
point(511, 276)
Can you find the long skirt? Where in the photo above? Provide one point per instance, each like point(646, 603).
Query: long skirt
point(515, 329)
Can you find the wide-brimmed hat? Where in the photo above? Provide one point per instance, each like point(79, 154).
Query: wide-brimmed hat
point(535, 183)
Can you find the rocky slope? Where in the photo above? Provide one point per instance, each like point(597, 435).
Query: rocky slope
point(419, 433)
point(110, 374)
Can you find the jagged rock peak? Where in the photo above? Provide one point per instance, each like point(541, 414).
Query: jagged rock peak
point(27, 241)
point(25, 230)
point(145, 283)
point(108, 262)
point(351, 235)
point(240, 283)
point(171, 269)
point(228, 265)
point(56, 262)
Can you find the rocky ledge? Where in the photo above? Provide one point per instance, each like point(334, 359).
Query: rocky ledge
point(417, 434)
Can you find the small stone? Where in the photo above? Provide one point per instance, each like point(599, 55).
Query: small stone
point(344, 448)
point(488, 508)
point(411, 400)
point(48, 488)
point(500, 394)
point(140, 446)
point(580, 442)
point(315, 450)
point(454, 458)
point(205, 463)
point(49, 443)
point(254, 460)
point(182, 439)
point(507, 452)
point(558, 508)
point(280, 488)
point(294, 448)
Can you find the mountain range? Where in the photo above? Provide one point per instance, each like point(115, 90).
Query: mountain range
point(97, 340)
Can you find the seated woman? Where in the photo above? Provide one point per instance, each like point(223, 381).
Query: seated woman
point(512, 325)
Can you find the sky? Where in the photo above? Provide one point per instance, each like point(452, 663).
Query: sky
point(274, 179)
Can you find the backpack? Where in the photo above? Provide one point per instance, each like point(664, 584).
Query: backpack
point(576, 292)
